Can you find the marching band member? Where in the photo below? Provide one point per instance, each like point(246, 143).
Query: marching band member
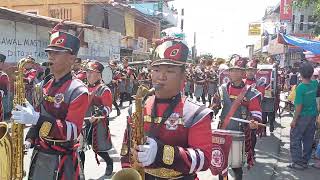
point(179, 131)
point(212, 83)
point(97, 129)
point(249, 107)
point(114, 85)
point(30, 75)
point(188, 89)
point(251, 71)
point(126, 84)
point(78, 72)
point(199, 88)
point(4, 85)
point(56, 127)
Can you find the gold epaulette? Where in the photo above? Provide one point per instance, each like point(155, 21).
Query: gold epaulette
point(157, 120)
point(49, 98)
point(164, 173)
point(233, 97)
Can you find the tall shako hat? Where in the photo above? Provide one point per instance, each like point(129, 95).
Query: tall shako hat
point(62, 41)
point(237, 62)
point(170, 51)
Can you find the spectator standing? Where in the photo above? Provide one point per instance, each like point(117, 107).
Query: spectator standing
point(303, 123)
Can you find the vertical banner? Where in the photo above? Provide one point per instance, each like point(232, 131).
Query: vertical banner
point(286, 10)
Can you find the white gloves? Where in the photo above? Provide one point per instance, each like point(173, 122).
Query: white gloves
point(25, 115)
point(147, 153)
point(27, 145)
point(1, 93)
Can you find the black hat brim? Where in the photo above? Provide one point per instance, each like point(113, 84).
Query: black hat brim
point(57, 49)
point(235, 67)
point(167, 62)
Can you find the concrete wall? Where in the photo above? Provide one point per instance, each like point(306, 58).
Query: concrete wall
point(18, 40)
point(297, 13)
point(103, 45)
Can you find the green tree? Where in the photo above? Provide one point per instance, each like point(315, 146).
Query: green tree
point(316, 8)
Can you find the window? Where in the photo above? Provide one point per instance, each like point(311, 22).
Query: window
point(62, 13)
point(301, 22)
point(35, 12)
point(311, 21)
point(105, 22)
point(293, 23)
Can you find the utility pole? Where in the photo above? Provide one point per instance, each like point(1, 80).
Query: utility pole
point(251, 50)
point(194, 47)
point(182, 19)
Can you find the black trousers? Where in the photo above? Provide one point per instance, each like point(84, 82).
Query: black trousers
point(114, 102)
point(269, 117)
point(203, 97)
point(238, 173)
point(124, 95)
point(188, 94)
point(209, 99)
point(104, 155)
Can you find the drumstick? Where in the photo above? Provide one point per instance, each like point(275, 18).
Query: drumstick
point(246, 121)
point(98, 117)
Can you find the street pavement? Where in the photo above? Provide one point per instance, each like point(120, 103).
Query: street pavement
point(272, 155)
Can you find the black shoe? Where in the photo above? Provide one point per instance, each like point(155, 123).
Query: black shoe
point(109, 170)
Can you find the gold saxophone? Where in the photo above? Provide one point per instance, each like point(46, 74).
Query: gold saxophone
point(137, 137)
point(12, 148)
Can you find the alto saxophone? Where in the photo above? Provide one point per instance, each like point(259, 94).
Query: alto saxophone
point(12, 148)
point(136, 136)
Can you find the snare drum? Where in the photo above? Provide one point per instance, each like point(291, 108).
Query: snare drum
point(236, 156)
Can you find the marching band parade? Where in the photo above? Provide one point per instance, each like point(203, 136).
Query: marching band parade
point(170, 115)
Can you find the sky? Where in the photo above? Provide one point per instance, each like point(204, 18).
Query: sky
point(221, 25)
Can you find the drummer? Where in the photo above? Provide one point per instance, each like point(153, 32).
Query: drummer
point(249, 108)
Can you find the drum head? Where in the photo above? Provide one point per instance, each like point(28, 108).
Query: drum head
point(107, 75)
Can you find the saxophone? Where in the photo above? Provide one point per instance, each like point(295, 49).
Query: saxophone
point(136, 136)
point(12, 148)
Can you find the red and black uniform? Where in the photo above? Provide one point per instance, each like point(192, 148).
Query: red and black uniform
point(55, 135)
point(259, 87)
point(126, 84)
point(4, 87)
point(29, 78)
point(82, 75)
point(114, 86)
point(249, 109)
point(97, 134)
point(183, 138)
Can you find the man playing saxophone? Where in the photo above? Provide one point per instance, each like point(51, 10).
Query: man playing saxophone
point(56, 126)
point(178, 142)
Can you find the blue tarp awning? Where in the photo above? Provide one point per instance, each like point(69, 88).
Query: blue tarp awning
point(306, 44)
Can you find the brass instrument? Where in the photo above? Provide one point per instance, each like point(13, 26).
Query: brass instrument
point(137, 137)
point(12, 148)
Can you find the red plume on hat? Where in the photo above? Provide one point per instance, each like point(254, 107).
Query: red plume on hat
point(57, 27)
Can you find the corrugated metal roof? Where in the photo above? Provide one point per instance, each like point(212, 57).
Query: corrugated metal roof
point(18, 16)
